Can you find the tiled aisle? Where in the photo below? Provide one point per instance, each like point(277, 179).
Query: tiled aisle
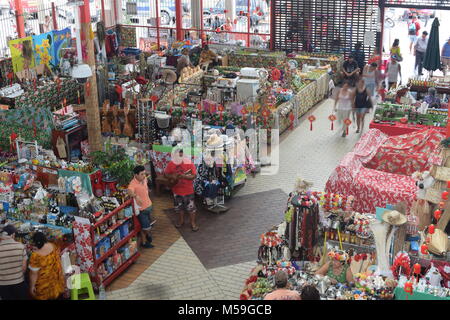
point(180, 274)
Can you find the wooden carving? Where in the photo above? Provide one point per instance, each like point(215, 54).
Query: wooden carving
point(116, 123)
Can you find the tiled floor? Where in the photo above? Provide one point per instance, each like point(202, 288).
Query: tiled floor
point(214, 262)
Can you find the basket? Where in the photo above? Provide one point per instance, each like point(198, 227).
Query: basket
point(440, 173)
point(163, 120)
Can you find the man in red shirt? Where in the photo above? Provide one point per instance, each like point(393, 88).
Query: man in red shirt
point(182, 172)
point(413, 32)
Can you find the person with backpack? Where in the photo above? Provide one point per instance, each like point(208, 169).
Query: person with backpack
point(413, 32)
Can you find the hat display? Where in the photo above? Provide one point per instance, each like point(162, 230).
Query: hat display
point(438, 242)
point(214, 141)
point(393, 217)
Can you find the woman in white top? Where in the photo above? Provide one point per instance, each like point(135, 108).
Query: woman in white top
point(370, 77)
point(393, 70)
point(343, 105)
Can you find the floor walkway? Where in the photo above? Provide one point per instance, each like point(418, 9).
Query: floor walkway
point(214, 262)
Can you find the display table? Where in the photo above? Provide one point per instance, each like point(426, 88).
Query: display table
point(399, 128)
point(400, 294)
point(334, 60)
point(257, 59)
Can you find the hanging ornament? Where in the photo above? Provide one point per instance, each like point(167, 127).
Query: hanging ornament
point(448, 184)
point(266, 114)
point(424, 249)
point(332, 118)
point(235, 21)
point(431, 228)
point(88, 88)
point(437, 214)
point(311, 119)
point(445, 195)
point(408, 288)
point(220, 108)
point(417, 269)
point(347, 122)
point(218, 30)
point(292, 118)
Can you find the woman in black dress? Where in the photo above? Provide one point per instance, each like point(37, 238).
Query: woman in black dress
point(362, 103)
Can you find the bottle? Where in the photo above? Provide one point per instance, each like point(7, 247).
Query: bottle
point(102, 292)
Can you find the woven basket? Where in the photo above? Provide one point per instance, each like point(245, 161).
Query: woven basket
point(440, 173)
point(433, 195)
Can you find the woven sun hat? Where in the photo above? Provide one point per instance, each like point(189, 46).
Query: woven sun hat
point(214, 141)
point(393, 217)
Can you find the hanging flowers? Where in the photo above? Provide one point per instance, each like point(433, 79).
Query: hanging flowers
point(347, 122)
point(332, 118)
point(266, 114)
point(311, 119)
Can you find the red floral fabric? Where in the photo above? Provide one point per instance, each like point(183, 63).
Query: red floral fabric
point(375, 188)
point(83, 243)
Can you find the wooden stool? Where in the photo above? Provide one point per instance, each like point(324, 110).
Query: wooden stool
point(160, 180)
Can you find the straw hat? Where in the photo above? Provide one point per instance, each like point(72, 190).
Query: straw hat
point(394, 217)
point(214, 141)
point(438, 242)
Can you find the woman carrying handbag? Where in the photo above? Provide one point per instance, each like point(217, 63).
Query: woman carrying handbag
point(362, 104)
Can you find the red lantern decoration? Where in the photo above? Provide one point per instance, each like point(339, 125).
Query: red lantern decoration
point(437, 214)
point(332, 118)
point(260, 14)
point(431, 228)
point(424, 249)
point(448, 184)
point(235, 21)
point(88, 88)
point(417, 268)
point(218, 30)
point(311, 119)
point(347, 122)
point(408, 288)
point(241, 13)
point(445, 195)
point(220, 108)
point(225, 11)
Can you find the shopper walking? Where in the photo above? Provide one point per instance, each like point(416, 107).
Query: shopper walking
point(445, 56)
point(343, 105)
point(13, 263)
point(413, 32)
point(419, 51)
point(362, 103)
point(371, 76)
point(46, 276)
point(282, 292)
point(181, 173)
point(138, 190)
point(359, 55)
point(395, 51)
point(393, 71)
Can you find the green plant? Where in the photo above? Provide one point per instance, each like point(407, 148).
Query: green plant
point(122, 171)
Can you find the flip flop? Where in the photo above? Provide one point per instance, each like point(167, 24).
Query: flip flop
point(195, 229)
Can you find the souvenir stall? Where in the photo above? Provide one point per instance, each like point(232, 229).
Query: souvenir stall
point(372, 245)
point(335, 61)
point(442, 85)
point(396, 119)
point(83, 207)
point(379, 169)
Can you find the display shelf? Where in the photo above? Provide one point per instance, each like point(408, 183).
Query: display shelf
point(107, 280)
point(63, 229)
point(347, 246)
point(111, 229)
point(115, 211)
point(114, 248)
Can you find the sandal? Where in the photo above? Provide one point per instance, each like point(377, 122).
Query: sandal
point(195, 229)
point(178, 225)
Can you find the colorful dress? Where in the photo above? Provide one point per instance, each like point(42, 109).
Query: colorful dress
point(50, 280)
point(340, 278)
